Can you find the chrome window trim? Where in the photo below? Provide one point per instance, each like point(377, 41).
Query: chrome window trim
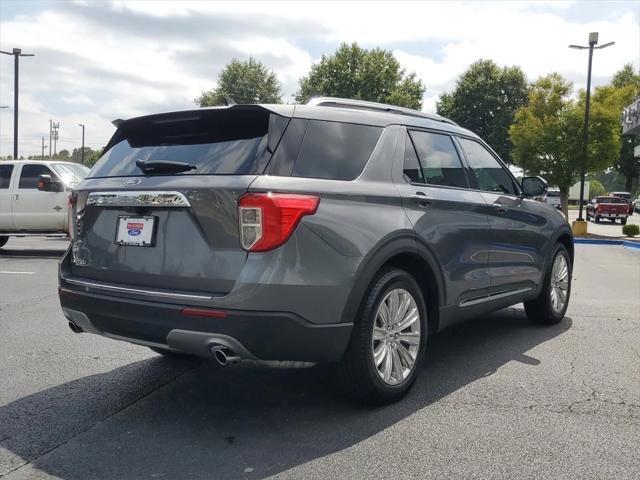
point(496, 296)
point(138, 198)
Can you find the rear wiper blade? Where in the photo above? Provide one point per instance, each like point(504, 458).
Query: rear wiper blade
point(163, 166)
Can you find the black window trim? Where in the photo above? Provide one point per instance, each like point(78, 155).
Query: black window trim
point(463, 163)
point(457, 136)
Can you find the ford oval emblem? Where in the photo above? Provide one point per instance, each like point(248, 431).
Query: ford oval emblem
point(132, 181)
point(134, 232)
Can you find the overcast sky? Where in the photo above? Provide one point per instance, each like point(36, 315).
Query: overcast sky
point(97, 61)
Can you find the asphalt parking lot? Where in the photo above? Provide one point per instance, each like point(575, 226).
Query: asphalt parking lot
point(498, 398)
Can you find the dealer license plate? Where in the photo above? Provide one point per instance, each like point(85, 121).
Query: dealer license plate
point(136, 231)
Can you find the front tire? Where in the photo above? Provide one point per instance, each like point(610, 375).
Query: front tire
point(388, 341)
point(597, 218)
point(623, 221)
point(551, 305)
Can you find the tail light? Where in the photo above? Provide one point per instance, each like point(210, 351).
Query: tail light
point(71, 213)
point(267, 220)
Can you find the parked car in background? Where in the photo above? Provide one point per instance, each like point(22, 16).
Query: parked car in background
point(34, 196)
point(636, 204)
point(337, 232)
point(611, 208)
point(626, 196)
point(553, 198)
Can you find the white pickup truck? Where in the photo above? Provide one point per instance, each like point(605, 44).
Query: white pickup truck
point(34, 196)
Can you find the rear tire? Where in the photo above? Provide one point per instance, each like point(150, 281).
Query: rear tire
point(545, 309)
point(376, 369)
point(3, 241)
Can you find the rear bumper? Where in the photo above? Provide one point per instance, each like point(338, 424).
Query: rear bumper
point(612, 215)
point(252, 334)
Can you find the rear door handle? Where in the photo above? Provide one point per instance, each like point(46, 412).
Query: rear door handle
point(421, 199)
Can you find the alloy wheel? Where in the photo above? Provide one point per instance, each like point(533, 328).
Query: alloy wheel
point(396, 336)
point(559, 283)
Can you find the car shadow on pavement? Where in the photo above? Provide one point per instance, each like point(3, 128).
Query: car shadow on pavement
point(31, 253)
point(237, 422)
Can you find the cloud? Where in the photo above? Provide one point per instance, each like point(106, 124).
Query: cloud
point(97, 61)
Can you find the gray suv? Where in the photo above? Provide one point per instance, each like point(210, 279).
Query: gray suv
point(340, 232)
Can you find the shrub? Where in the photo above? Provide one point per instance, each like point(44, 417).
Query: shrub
point(631, 230)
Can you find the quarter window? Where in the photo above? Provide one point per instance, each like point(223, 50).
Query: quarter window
point(5, 176)
point(30, 173)
point(486, 172)
point(439, 160)
point(334, 150)
point(412, 170)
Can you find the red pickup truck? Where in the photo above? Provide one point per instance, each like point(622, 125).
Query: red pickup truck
point(611, 208)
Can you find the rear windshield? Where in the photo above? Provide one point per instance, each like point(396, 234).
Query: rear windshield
point(553, 193)
point(71, 173)
point(626, 196)
point(610, 200)
point(229, 141)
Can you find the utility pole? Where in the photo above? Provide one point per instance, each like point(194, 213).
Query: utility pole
point(17, 53)
point(50, 135)
point(42, 155)
point(56, 126)
point(82, 151)
point(593, 41)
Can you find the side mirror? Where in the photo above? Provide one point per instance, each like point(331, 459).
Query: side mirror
point(46, 184)
point(534, 186)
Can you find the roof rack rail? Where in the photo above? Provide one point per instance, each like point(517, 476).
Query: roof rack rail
point(379, 107)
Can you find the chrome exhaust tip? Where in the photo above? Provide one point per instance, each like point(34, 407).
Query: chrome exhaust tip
point(223, 355)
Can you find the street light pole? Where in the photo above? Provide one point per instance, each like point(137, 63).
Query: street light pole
point(17, 53)
point(593, 41)
point(82, 151)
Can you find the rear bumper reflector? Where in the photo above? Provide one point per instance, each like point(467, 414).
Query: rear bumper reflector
point(203, 312)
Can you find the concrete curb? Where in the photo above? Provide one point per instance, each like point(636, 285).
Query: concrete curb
point(600, 241)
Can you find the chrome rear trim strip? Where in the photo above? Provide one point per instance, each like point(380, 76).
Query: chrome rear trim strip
point(149, 198)
point(137, 291)
point(488, 298)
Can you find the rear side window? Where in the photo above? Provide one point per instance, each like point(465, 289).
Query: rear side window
point(30, 173)
point(439, 159)
point(486, 171)
point(5, 175)
point(411, 170)
point(334, 150)
point(234, 141)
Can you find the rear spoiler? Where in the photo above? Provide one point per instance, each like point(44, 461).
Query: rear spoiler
point(179, 116)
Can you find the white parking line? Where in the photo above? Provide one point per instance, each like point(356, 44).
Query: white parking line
point(17, 273)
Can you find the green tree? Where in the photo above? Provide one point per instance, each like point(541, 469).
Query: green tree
point(627, 76)
point(357, 73)
point(596, 189)
point(621, 92)
point(485, 100)
point(547, 134)
point(243, 82)
point(76, 155)
point(63, 155)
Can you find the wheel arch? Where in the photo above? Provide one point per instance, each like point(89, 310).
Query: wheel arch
point(565, 238)
point(405, 253)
